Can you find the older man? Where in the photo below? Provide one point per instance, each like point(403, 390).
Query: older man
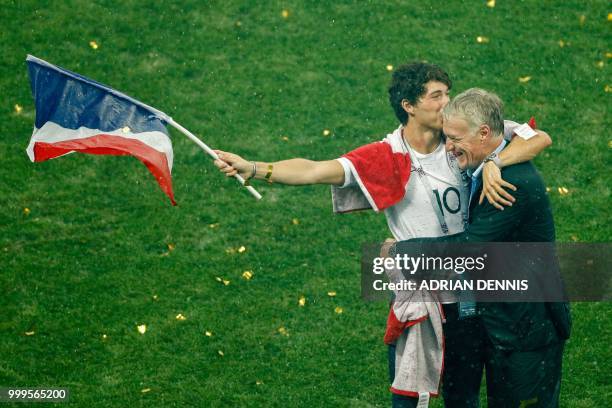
point(523, 367)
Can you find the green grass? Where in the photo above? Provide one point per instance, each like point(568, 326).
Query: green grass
point(93, 251)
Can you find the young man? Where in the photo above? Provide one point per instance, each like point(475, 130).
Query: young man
point(523, 366)
point(434, 202)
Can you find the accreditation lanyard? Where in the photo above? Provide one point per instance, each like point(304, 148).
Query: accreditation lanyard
point(423, 177)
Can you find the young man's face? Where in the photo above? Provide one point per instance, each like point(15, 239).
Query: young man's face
point(466, 145)
point(428, 110)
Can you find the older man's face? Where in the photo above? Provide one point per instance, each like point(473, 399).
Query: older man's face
point(463, 143)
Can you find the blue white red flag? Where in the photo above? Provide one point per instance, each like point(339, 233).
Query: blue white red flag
point(77, 114)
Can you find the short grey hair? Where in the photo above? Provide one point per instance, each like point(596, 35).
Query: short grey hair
point(478, 107)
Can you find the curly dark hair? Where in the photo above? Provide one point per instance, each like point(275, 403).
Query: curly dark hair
point(408, 82)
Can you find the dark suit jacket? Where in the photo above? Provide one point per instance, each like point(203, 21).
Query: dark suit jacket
point(516, 326)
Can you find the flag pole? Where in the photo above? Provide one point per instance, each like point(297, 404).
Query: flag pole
point(208, 150)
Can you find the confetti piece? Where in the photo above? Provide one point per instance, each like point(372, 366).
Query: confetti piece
point(258, 382)
point(326, 132)
point(226, 282)
point(145, 390)
point(302, 301)
point(608, 54)
point(609, 16)
point(563, 190)
point(548, 189)
point(285, 13)
point(524, 79)
point(26, 211)
point(482, 39)
point(18, 108)
point(221, 353)
point(142, 329)
point(93, 45)
point(331, 294)
point(561, 43)
point(283, 331)
point(171, 247)
point(608, 88)
point(389, 67)
point(285, 138)
point(610, 144)
point(241, 249)
point(599, 64)
point(574, 238)
point(215, 225)
point(247, 275)
point(238, 23)
point(339, 310)
point(30, 333)
point(180, 317)
point(126, 129)
point(295, 221)
point(582, 19)
point(208, 333)
point(491, 3)
point(230, 251)
point(155, 297)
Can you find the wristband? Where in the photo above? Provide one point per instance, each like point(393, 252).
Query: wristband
point(268, 175)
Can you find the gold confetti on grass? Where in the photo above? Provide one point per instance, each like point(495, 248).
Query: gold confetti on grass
point(608, 54)
point(155, 297)
point(145, 390)
point(285, 138)
point(93, 45)
point(208, 333)
point(339, 310)
point(18, 108)
point(610, 144)
point(142, 328)
point(599, 64)
point(285, 13)
point(242, 249)
point(389, 67)
point(563, 191)
point(326, 132)
point(561, 43)
point(248, 275)
point(609, 16)
point(26, 211)
point(258, 382)
point(491, 3)
point(331, 294)
point(30, 333)
point(223, 281)
point(295, 221)
point(104, 337)
point(180, 316)
point(283, 331)
point(221, 353)
point(482, 39)
point(582, 19)
point(213, 226)
point(524, 79)
point(302, 301)
point(574, 238)
point(171, 247)
point(608, 88)
point(548, 189)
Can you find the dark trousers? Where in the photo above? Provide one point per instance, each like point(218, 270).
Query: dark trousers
point(514, 379)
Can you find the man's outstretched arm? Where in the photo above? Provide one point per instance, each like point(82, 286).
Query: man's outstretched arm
point(292, 171)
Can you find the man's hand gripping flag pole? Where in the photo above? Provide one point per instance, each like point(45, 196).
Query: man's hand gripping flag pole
point(208, 150)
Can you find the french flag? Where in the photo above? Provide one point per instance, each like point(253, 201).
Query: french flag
point(77, 114)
